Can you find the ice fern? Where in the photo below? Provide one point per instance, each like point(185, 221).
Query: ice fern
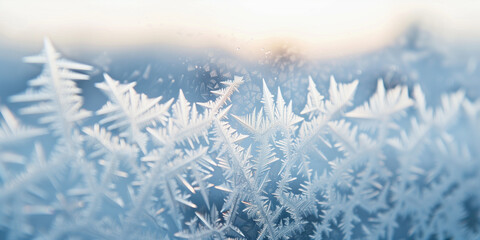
point(150, 168)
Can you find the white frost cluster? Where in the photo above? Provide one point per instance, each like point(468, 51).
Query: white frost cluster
point(170, 169)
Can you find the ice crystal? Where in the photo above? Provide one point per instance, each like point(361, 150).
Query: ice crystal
point(151, 168)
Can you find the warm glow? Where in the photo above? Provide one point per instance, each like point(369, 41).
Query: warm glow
point(317, 28)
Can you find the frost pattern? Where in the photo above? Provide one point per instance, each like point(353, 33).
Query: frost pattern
point(156, 169)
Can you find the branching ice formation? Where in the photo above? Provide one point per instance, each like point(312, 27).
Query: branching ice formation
point(155, 169)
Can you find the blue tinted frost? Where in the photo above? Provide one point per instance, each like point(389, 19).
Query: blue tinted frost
point(394, 167)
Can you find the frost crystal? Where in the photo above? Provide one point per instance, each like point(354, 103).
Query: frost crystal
point(151, 168)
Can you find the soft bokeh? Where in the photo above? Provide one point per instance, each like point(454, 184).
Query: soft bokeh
point(320, 29)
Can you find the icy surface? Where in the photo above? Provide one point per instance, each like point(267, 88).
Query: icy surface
point(379, 146)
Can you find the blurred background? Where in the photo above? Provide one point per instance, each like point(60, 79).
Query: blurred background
point(195, 44)
point(319, 29)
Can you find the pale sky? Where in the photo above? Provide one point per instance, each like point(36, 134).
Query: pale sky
point(317, 28)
